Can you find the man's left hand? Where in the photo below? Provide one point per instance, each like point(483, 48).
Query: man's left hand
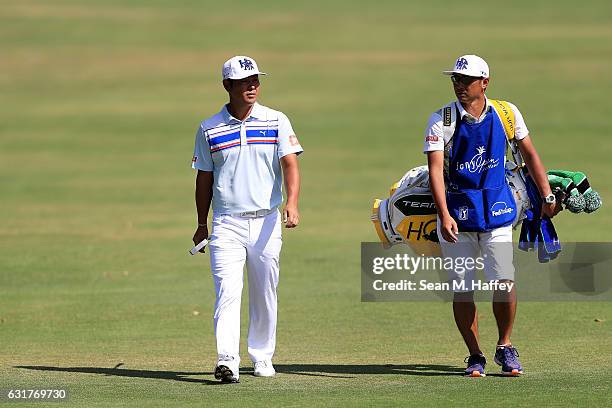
point(291, 216)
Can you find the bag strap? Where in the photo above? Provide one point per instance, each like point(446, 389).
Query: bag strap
point(506, 114)
point(449, 123)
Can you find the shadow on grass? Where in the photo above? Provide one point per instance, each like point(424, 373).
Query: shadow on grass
point(120, 372)
point(315, 370)
point(324, 370)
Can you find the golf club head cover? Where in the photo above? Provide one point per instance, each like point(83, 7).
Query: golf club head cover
point(563, 186)
point(581, 196)
point(592, 201)
point(575, 202)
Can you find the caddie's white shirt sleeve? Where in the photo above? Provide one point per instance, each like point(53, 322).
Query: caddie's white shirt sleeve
point(287, 141)
point(434, 134)
point(520, 128)
point(202, 160)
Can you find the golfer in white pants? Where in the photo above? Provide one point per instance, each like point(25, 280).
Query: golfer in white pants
point(242, 155)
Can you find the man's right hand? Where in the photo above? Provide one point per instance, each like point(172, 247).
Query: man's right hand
point(449, 229)
point(550, 210)
point(200, 235)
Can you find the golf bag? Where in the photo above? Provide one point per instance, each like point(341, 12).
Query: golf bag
point(409, 214)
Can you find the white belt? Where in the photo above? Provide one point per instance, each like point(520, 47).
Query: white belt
point(254, 214)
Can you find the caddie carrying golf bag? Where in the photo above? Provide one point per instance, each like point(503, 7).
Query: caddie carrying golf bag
point(409, 214)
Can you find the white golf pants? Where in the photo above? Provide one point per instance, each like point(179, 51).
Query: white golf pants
point(256, 241)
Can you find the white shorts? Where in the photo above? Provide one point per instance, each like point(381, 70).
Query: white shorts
point(494, 248)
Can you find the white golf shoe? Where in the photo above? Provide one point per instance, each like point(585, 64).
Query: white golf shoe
point(264, 369)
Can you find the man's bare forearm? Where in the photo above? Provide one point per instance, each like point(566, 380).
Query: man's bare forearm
point(435, 162)
point(291, 174)
point(203, 194)
point(536, 168)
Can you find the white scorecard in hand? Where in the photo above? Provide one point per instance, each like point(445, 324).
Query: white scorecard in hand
point(197, 248)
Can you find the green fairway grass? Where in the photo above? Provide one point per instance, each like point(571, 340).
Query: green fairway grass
point(100, 104)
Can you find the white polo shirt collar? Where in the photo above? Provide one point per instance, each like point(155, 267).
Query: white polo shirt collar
point(468, 117)
point(258, 112)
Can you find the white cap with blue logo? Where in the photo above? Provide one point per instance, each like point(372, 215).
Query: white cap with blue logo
point(240, 67)
point(470, 65)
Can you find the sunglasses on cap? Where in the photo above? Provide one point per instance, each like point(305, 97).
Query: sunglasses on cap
point(464, 79)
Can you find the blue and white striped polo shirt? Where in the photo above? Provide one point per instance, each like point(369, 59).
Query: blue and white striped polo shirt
point(245, 158)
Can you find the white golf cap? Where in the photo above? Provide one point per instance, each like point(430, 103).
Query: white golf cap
point(470, 65)
point(239, 67)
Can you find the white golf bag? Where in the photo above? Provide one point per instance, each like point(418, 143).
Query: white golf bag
point(409, 214)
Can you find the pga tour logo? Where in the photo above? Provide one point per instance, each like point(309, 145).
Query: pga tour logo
point(500, 208)
point(463, 213)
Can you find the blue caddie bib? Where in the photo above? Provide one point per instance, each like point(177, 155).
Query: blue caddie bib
point(478, 196)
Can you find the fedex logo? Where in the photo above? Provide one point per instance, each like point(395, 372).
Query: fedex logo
point(499, 208)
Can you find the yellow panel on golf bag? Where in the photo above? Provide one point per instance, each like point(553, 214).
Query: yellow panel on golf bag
point(409, 214)
point(419, 232)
